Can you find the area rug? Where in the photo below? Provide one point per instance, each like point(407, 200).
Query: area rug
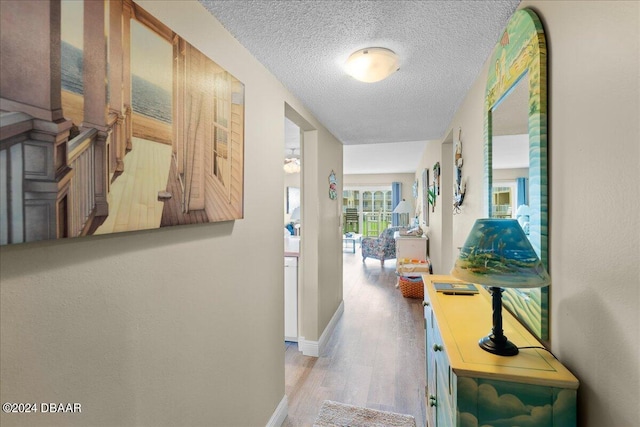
point(334, 414)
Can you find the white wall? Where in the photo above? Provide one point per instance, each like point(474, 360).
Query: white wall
point(178, 326)
point(594, 142)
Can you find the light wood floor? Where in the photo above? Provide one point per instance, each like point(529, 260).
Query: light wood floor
point(375, 357)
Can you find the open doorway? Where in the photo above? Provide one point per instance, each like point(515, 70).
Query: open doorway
point(292, 167)
point(446, 193)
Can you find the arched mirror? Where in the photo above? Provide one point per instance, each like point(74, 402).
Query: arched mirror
point(516, 150)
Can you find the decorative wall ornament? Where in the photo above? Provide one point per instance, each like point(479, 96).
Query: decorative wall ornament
point(432, 197)
point(415, 189)
point(436, 177)
point(333, 186)
point(461, 184)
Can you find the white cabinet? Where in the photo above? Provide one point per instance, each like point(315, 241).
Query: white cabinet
point(411, 247)
point(291, 298)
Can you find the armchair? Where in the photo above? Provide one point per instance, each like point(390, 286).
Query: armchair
point(381, 247)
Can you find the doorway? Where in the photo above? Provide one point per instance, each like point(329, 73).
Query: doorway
point(446, 192)
point(292, 167)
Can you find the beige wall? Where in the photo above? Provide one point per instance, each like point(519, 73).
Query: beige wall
point(594, 96)
point(509, 174)
point(594, 160)
point(433, 154)
point(320, 246)
point(179, 326)
point(447, 232)
point(329, 233)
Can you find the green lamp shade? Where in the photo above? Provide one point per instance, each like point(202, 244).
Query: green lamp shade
point(497, 253)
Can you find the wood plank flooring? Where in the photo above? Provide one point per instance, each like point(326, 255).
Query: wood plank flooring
point(375, 357)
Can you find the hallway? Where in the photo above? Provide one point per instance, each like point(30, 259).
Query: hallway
point(375, 357)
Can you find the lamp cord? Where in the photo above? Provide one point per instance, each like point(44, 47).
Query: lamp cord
point(541, 348)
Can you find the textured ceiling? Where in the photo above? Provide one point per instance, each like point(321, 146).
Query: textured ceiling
point(442, 46)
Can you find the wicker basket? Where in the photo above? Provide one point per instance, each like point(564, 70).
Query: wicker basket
point(411, 287)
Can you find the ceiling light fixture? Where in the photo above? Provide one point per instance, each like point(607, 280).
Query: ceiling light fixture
point(372, 64)
point(291, 164)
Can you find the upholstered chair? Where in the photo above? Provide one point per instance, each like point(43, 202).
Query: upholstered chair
point(381, 247)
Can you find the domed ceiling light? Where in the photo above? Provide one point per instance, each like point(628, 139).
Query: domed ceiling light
point(292, 164)
point(372, 64)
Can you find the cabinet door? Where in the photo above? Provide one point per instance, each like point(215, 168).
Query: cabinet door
point(484, 401)
point(432, 396)
point(291, 299)
point(444, 414)
point(434, 365)
point(431, 392)
point(440, 388)
point(411, 247)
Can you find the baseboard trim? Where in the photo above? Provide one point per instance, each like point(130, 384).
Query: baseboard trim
point(308, 348)
point(315, 348)
point(277, 419)
point(328, 331)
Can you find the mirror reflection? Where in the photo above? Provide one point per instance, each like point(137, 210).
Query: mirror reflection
point(510, 154)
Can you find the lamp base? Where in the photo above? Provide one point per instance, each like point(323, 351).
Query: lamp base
point(498, 345)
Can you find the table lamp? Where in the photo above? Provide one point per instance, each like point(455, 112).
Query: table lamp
point(403, 208)
point(498, 254)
